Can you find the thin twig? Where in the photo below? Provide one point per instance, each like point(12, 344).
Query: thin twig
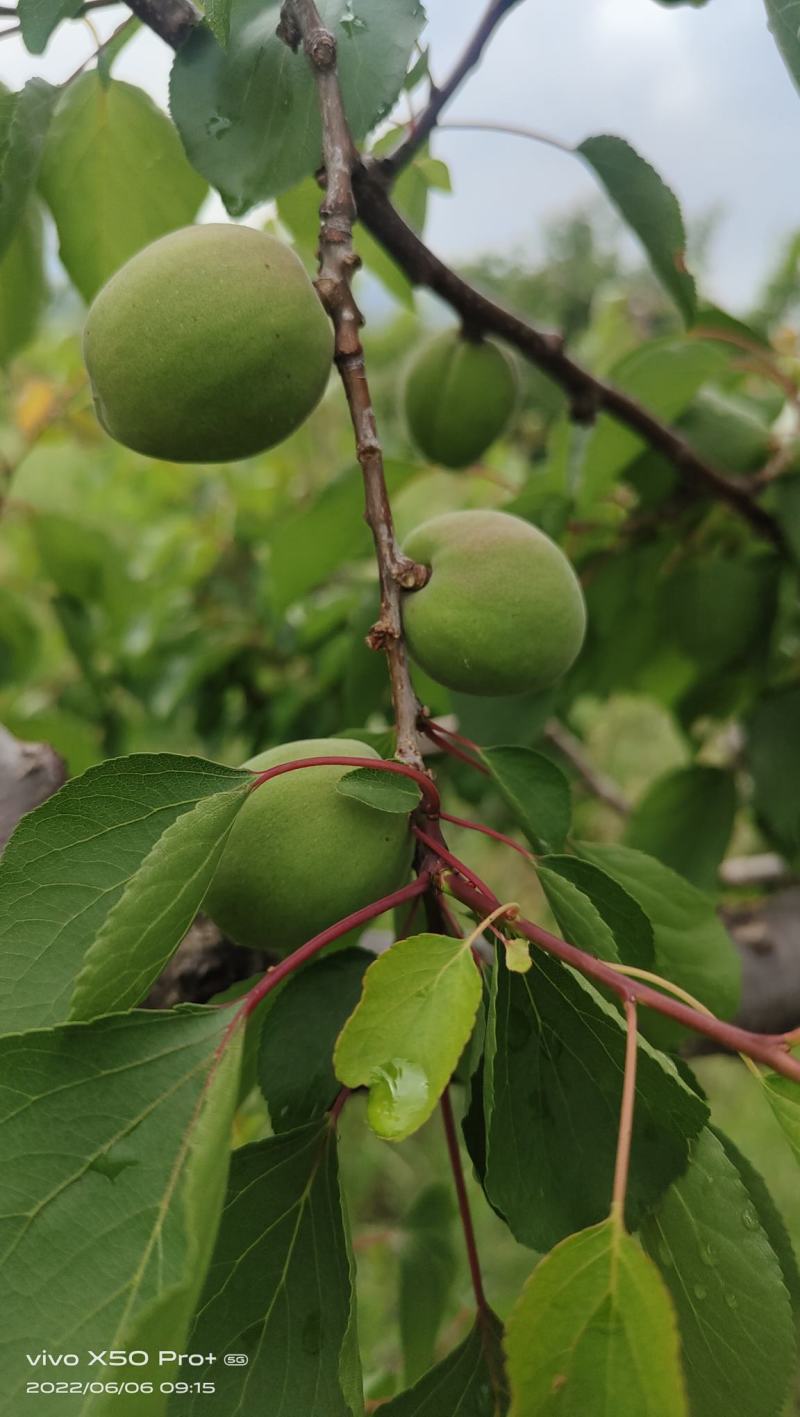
point(511, 130)
point(440, 97)
point(300, 22)
point(600, 786)
point(463, 1201)
point(589, 395)
point(625, 1115)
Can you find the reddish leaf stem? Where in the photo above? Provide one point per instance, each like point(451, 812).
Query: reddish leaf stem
point(487, 831)
point(764, 1047)
point(463, 1201)
point(626, 1114)
point(436, 736)
point(430, 796)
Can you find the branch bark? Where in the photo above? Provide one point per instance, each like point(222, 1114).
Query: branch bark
point(172, 20)
point(440, 97)
point(29, 774)
point(301, 22)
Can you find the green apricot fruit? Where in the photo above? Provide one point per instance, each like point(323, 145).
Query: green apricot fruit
point(207, 346)
point(459, 395)
point(503, 611)
point(301, 856)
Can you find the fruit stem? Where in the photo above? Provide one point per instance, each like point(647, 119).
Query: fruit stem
point(464, 1211)
point(625, 1115)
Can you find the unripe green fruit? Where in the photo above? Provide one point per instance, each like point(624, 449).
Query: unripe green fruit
point(207, 346)
point(503, 611)
point(459, 395)
point(301, 856)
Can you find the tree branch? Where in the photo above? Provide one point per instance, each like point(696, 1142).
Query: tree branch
point(440, 97)
point(300, 21)
point(172, 20)
point(589, 395)
point(29, 774)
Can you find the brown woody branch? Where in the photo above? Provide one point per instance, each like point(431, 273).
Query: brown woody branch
point(589, 395)
point(172, 20)
point(300, 22)
point(440, 97)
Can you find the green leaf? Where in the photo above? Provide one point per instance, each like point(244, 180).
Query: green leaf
point(115, 1142)
point(650, 208)
point(249, 116)
point(22, 284)
point(692, 946)
point(719, 609)
point(783, 1096)
point(19, 638)
point(427, 1271)
point(295, 1058)
point(773, 751)
point(783, 18)
point(734, 1313)
point(311, 542)
point(114, 177)
point(685, 819)
point(218, 18)
point(155, 909)
point(536, 791)
point(470, 1381)
point(68, 863)
point(594, 1333)
point(770, 1217)
point(553, 1069)
point(387, 792)
point(576, 916)
point(664, 375)
point(631, 931)
point(38, 19)
point(280, 1286)
point(409, 1029)
point(24, 120)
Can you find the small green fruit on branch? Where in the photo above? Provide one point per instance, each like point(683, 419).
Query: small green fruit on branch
point(300, 854)
point(198, 301)
point(459, 396)
point(503, 611)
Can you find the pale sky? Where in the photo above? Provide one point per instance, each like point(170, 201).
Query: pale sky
point(702, 93)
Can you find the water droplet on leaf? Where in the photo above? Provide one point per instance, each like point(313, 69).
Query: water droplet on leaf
point(731, 1300)
point(398, 1098)
point(700, 1292)
point(217, 125)
point(749, 1218)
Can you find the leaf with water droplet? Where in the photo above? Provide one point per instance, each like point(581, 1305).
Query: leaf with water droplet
point(267, 94)
point(738, 1337)
point(406, 1035)
point(592, 1306)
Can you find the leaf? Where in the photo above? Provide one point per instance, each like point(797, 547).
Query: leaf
point(664, 375)
point(427, 1270)
point(115, 1145)
point(156, 908)
point(773, 752)
point(470, 1380)
point(783, 1096)
point(718, 609)
point(218, 18)
point(685, 819)
point(536, 791)
point(22, 284)
point(631, 931)
point(38, 19)
point(295, 1058)
point(577, 918)
point(594, 1332)
point(734, 1314)
point(68, 863)
point(413, 1020)
point(24, 120)
point(692, 946)
point(309, 543)
point(387, 792)
point(280, 1287)
point(772, 1221)
point(248, 115)
point(19, 638)
point(783, 18)
point(553, 1069)
point(114, 177)
point(650, 208)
